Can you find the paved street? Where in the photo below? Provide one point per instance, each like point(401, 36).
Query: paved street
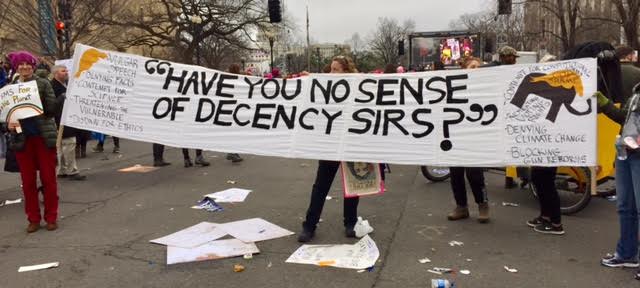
point(109, 219)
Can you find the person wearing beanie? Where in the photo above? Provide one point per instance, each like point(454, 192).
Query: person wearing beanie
point(34, 142)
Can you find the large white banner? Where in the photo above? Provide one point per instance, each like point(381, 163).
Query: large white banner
point(535, 114)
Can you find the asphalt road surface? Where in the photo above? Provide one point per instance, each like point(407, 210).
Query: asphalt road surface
point(107, 221)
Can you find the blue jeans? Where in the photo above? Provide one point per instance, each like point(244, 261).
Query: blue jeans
point(628, 191)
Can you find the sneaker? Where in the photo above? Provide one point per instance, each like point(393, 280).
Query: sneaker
point(200, 161)
point(234, 157)
point(98, 149)
point(483, 213)
point(306, 236)
point(535, 222)
point(548, 228)
point(116, 150)
point(610, 260)
point(458, 213)
point(62, 176)
point(637, 275)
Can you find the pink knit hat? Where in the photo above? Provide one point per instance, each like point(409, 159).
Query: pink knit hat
point(18, 57)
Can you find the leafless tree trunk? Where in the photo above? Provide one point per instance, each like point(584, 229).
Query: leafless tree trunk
point(629, 11)
point(182, 25)
point(22, 24)
point(384, 41)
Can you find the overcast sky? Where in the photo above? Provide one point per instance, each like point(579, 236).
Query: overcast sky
point(335, 21)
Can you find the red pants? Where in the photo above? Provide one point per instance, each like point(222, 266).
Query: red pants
point(37, 156)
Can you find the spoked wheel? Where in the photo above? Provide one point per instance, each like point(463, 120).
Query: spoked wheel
point(435, 173)
point(574, 189)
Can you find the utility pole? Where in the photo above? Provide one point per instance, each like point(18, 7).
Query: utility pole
point(64, 13)
point(308, 43)
point(47, 29)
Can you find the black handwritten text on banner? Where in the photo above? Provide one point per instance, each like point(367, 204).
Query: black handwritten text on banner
point(538, 114)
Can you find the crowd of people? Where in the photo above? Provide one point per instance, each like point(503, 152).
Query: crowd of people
point(39, 144)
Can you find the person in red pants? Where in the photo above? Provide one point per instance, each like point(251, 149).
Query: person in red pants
point(34, 141)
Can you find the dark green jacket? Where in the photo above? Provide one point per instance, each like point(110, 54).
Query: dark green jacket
point(630, 77)
point(46, 124)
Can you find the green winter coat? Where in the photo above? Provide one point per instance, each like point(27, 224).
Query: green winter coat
point(45, 122)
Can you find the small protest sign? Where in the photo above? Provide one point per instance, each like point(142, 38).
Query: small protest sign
point(19, 101)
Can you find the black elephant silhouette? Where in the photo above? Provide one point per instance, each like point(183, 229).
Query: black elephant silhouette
point(560, 87)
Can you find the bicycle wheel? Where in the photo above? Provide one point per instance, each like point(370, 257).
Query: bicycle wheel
point(435, 173)
point(574, 189)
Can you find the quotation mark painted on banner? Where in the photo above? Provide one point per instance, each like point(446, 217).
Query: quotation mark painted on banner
point(478, 112)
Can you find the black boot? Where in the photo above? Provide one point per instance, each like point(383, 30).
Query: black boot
point(160, 163)
point(306, 236)
point(187, 163)
point(200, 161)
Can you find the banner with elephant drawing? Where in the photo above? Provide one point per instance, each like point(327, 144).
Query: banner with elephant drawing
point(534, 114)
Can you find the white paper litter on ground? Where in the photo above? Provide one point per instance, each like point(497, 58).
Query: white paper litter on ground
point(210, 251)
point(9, 202)
point(455, 243)
point(424, 260)
point(465, 272)
point(362, 228)
point(510, 204)
point(434, 272)
point(361, 255)
point(38, 267)
point(230, 195)
point(255, 230)
point(193, 236)
point(512, 270)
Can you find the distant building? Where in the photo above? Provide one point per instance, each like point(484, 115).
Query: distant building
point(329, 50)
point(543, 26)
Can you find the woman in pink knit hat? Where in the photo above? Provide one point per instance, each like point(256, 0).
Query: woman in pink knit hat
point(34, 141)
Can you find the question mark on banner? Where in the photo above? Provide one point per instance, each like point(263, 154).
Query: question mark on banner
point(446, 144)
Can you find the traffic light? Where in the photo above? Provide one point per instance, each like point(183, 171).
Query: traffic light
point(60, 28)
point(504, 7)
point(275, 15)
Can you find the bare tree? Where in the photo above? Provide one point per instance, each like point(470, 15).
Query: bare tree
point(627, 12)
point(562, 20)
point(182, 25)
point(221, 53)
point(384, 41)
point(23, 23)
point(508, 29)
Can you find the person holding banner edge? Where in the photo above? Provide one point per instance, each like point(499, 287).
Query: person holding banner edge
point(609, 76)
point(34, 140)
point(475, 176)
point(324, 178)
point(67, 168)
